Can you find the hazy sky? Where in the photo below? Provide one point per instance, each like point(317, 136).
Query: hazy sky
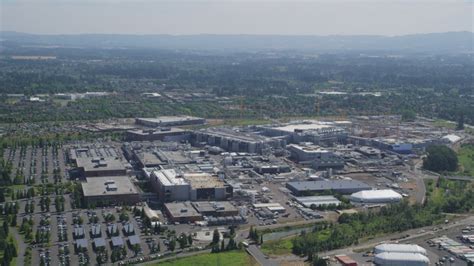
point(317, 17)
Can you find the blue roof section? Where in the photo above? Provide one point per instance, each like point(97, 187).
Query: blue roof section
point(99, 242)
point(117, 241)
point(81, 243)
point(330, 184)
point(134, 240)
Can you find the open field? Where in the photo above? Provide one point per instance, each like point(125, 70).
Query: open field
point(233, 258)
point(466, 160)
point(278, 247)
point(444, 123)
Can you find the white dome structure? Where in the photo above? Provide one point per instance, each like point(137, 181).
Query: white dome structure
point(399, 248)
point(400, 259)
point(376, 196)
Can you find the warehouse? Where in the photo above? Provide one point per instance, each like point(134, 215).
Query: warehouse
point(317, 132)
point(182, 212)
point(236, 141)
point(272, 207)
point(163, 134)
point(217, 209)
point(317, 201)
point(399, 248)
point(100, 166)
point(376, 196)
point(315, 156)
point(302, 188)
point(401, 259)
point(166, 121)
point(103, 191)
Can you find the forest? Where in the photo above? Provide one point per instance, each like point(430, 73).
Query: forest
point(261, 84)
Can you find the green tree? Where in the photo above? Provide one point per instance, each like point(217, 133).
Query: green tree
point(440, 158)
point(172, 244)
point(215, 237)
point(460, 125)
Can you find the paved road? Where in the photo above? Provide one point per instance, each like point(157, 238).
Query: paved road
point(259, 256)
point(21, 246)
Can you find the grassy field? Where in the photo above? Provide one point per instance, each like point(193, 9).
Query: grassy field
point(231, 258)
point(466, 160)
point(277, 247)
point(444, 123)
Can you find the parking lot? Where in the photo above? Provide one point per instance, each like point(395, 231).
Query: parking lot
point(37, 165)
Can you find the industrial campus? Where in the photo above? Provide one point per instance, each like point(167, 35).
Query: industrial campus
point(182, 174)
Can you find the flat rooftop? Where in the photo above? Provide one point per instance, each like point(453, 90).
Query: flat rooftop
point(150, 158)
point(330, 184)
point(213, 206)
point(171, 119)
point(109, 185)
point(100, 163)
point(169, 177)
point(181, 209)
point(203, 180)
point(293, 127)
point(177, 157)
point(317, 200)
point(93, 151)
point(308, 148)
point(162, 131)
point(235, 134)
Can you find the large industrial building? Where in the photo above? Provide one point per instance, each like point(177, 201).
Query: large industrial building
point(157, 157)
point(215, 208)
point(376, 196)
point(172, 186)
point(302, 188)
point(317, 201)
point(167, 121)
point(399, 248)
point(103, 166)
point(400, 255)
point(315, 156)
point(236, 141)
point(182, 212)
point(163, 134)
point(400, 259)
point(394, 144)
point(317, 132)
point(110, 190)
point(96, 161)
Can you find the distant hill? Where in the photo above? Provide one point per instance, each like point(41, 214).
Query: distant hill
point(434, 42)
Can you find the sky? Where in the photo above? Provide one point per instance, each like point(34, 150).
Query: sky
point(180, 17)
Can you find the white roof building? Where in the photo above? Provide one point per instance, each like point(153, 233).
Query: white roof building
point(401, 259)
point(452, 138)
point(399, 248)
point(376, 196)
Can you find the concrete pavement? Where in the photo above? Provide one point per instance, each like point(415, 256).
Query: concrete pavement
point(259, 256)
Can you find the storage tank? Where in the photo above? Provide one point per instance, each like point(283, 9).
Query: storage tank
point(400, 259)
point(399, 248)
point(376, 196)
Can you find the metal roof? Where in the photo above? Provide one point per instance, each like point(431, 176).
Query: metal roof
point(99, 242)
point(330, 184)
point(117, 241)
point(399, 248)
point(134, 240)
